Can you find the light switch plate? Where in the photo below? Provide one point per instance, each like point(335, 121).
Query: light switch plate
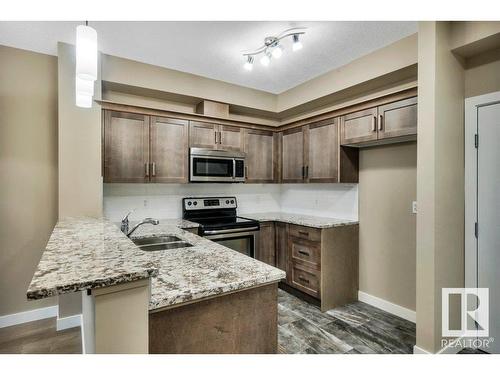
point(414, 207)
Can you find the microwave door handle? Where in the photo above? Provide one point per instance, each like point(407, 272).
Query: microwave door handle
point(234, 169)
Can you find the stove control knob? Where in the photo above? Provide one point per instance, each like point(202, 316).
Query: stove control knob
point(195, 203)
point(189, 203)
point(227, 202)
point(232, 201)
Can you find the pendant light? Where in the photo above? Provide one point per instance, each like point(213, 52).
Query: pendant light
point(86, 65)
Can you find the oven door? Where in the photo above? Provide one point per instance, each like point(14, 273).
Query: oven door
point(245, 242)
point(211, 169)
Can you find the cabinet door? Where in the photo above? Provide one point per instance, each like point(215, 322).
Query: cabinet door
point(169, 150)
point(293, 155)
point(261, 159)
point(282, 248)
point(230, 138)
point(321, 150)
point(397, 119)
point(266, 252)
point(359, 127)
point(202, 134)
point(126, 147)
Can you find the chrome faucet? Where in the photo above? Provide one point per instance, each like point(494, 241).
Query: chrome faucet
point(125, 224)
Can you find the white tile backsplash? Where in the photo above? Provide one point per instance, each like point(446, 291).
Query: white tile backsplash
point(163, 201)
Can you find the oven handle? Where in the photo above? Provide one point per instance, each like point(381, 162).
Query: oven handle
point(238, 230)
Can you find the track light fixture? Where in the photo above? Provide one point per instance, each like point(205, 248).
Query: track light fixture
point(272, 47)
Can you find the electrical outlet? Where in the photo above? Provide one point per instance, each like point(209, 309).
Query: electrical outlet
point(145, 203)
point(414, 207)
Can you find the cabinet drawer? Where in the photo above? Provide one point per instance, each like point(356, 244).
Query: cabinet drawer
point(311, 234)
point(306, 279)
point(306, 251)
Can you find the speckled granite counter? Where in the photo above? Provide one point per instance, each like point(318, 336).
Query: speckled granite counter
point(298, 219)
point(91, 253)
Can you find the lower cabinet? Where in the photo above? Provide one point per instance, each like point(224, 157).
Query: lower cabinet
point(322, 263)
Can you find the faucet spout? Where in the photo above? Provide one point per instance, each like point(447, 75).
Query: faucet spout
point(147, 220)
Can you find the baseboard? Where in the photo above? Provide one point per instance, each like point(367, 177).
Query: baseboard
point(387, 306)
point(69, 322)
point(448, 349)
point(28, 316)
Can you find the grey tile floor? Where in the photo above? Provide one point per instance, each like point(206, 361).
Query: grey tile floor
point(351, 329)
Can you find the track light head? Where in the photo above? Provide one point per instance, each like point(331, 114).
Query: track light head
point(265, 59)
point(297, 45)
point(249, 63)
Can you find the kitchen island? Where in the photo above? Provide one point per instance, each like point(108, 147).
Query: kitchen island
point(200, 299)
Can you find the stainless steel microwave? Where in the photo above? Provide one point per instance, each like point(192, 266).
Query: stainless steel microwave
point(206, 165)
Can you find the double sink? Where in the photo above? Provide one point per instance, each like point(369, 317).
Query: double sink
point(156, 243)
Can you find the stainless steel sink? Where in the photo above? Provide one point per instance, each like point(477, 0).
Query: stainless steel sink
point(141, 241)
point(165, 246)
point(156, 243)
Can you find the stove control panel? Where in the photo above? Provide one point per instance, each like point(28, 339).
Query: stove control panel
point(207, 203)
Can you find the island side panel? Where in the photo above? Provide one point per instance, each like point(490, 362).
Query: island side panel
point(243, 322)
point(121, 318)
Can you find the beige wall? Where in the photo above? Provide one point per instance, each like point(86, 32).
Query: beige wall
point(440, 178)
point(387, 230)
point(28, 170)
point(483, 74)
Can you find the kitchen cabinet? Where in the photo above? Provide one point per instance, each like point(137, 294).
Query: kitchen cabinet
point(293, 169)
point(139, 148)
point(391, 122)
point(266, 250)
point(169, 150)
point(310, 153)
point(262, 155)
point(126, 147)
point(281, 247)
point(397, 119)
point(214, 136)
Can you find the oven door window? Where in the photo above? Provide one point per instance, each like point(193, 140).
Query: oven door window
point(207, 167)
point(243, 244)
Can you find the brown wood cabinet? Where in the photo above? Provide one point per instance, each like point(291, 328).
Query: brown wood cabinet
point(169, 150)
point(266, 251)
point(311, 153)
point(262, 155)
point(126, 147)
point(139, 148)
point(322, 263)
point(389, 122)
point(214, 136)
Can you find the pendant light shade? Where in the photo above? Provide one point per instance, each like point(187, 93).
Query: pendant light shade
point(83, 100)
point(83, 86)
point(86, 53)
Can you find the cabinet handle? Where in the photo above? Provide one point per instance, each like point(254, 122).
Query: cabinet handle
point(147, 169)
point(304, 253)
point(153, 165)
point(246, 171)
point(220, 138)
point(374, 123)
point(307, 171)
point(303, 172)
point(303, 279)
point(215, 134)
point(380, 120)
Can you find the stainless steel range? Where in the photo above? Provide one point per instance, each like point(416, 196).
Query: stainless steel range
point(219, 222)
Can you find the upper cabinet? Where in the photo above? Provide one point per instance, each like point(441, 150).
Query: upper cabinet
point(126, 147)
point(310, 153)
point(169, 150)
point(140, 148)
point(214, 136)
point(262, 155)
point(293, 167)
point(387, 123)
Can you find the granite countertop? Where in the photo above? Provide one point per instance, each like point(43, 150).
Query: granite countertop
point(90, 253)
point(299, 219)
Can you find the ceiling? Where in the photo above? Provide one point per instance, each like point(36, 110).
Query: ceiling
point(213, 49)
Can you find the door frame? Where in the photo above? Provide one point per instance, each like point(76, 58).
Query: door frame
point(470, 154)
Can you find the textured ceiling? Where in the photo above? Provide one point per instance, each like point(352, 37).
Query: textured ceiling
point(213, 49)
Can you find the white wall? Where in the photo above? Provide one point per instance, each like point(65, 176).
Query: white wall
point(163, 201)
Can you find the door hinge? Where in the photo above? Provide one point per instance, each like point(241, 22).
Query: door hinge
point(476, 229)
point(476, 140)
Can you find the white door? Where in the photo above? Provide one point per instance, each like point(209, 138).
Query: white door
point(488, 212)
